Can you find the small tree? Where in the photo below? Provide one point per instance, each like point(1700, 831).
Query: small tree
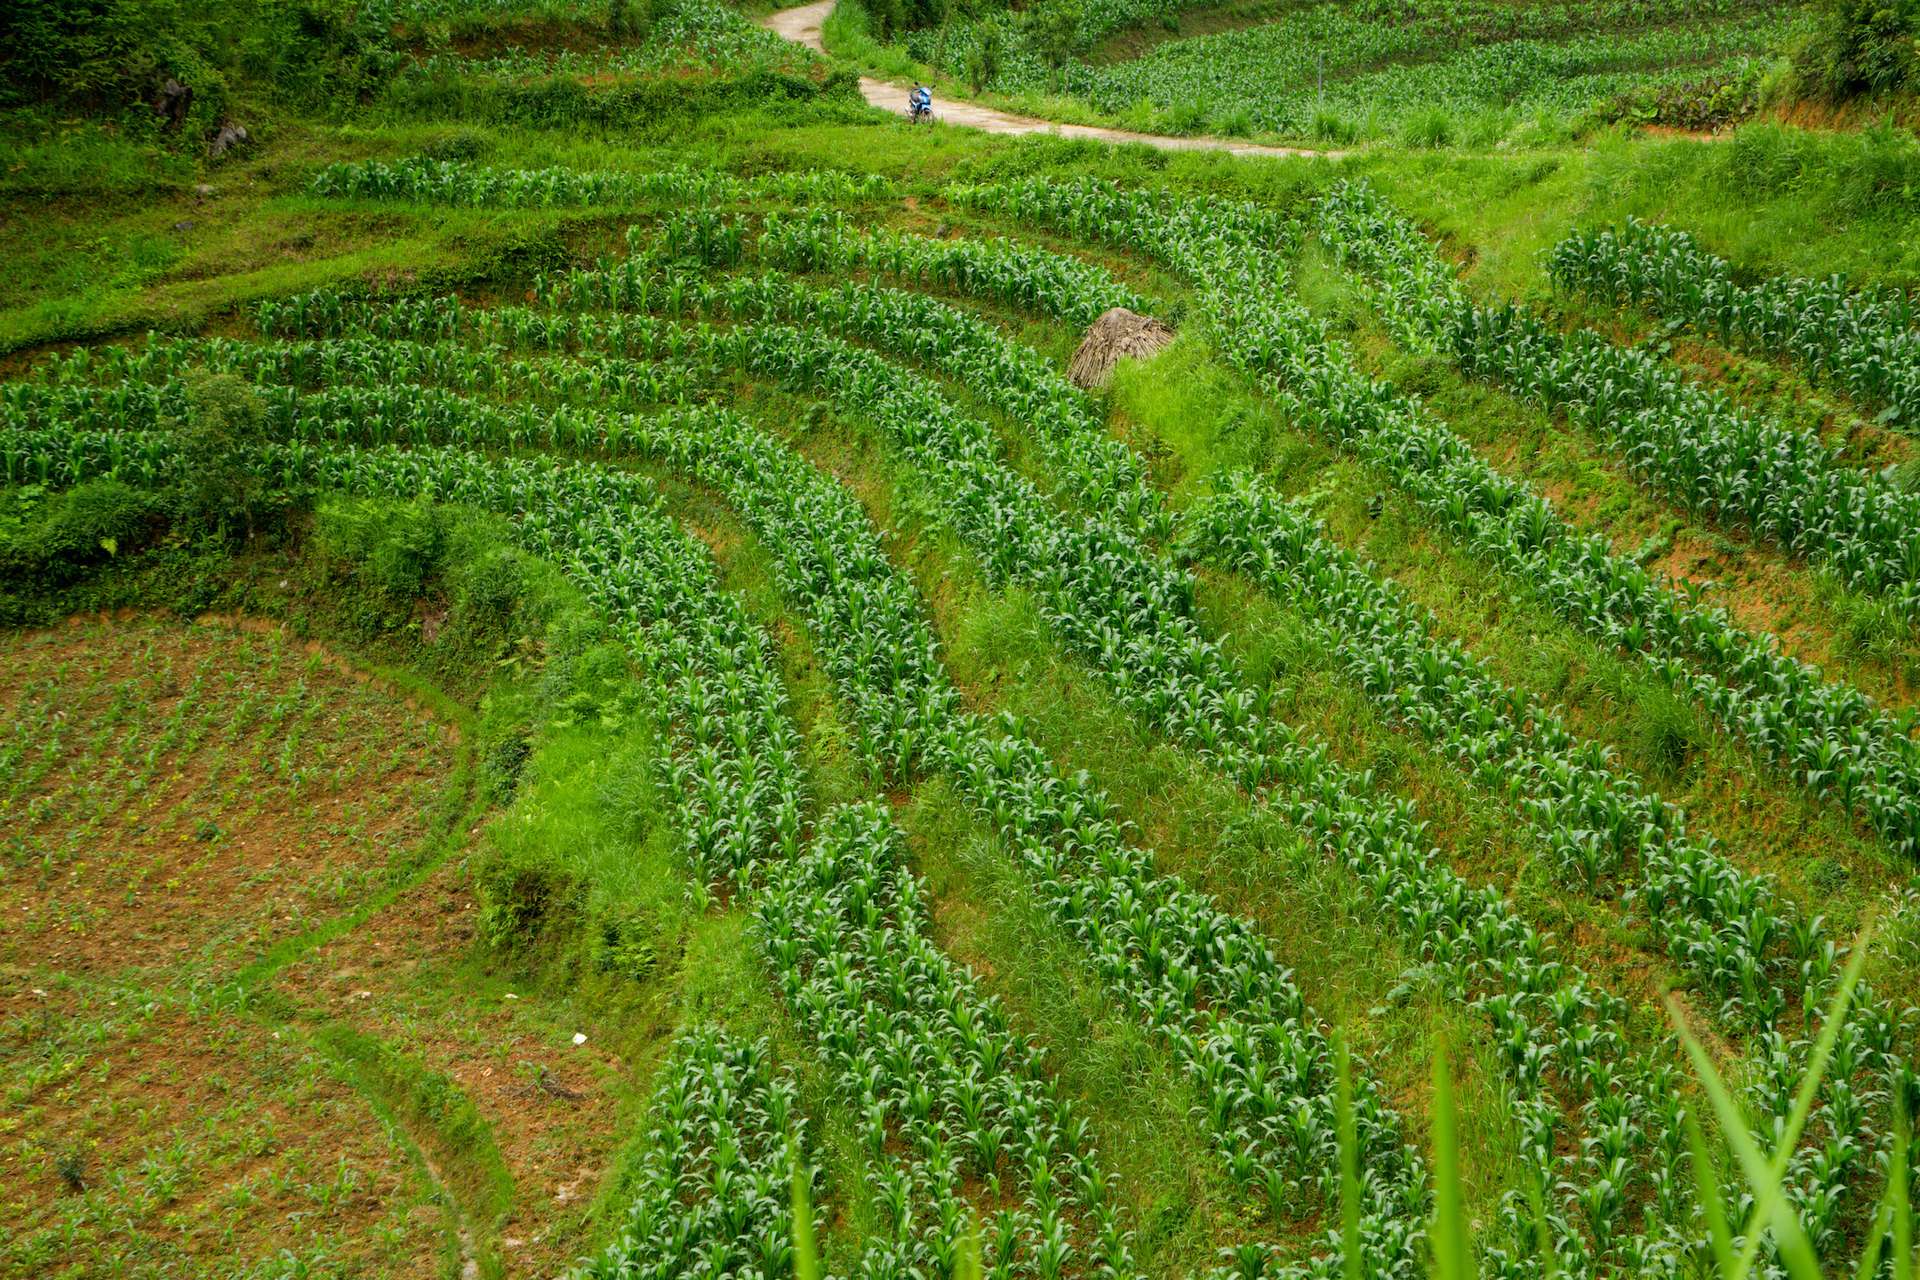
point(1055, 29)
point(1861, 47)
point(221, 479)
point(983, 60)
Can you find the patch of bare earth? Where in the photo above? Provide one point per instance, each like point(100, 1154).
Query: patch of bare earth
point(211, 792)
point(553, 1106)
point(173, 1142)
point(174, 801)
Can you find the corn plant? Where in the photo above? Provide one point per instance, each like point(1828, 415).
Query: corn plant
point(1862, 341)
point(712, 1194)
point(1784, 482)
point(419, 180)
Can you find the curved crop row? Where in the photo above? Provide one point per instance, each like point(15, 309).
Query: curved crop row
point(1280, 345)
point(1838, 742)
point(1716, 920)
point(419, 180)
point(1864, 341)
point(713, 1193)
point(1682, 439)
point(1097, 469)
point(917, 1052)
point(1020, 275)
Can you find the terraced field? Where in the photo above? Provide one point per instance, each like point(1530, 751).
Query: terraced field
point(1428, 72)
point(1414, 774)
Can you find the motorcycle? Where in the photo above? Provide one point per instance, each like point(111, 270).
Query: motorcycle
point(920, 109)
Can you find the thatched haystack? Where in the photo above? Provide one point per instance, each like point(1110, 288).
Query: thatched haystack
point(1119, 334)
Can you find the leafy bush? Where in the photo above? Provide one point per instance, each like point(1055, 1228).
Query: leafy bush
point(52, 543)
point(983, 60)
point(221, 487)
point(115, 55)
point(1861, 47)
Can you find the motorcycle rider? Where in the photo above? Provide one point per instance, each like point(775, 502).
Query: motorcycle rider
point(920, 102)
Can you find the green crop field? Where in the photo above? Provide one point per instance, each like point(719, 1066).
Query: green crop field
point(620, 663)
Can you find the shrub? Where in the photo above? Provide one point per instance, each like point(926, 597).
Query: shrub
point(72, 532)
point(223, 426)
point(1861, 47)
point(983, 59)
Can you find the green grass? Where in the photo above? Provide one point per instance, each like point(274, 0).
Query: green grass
point(586, 908)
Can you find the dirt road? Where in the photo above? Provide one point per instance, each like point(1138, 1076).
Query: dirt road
point(802, 26)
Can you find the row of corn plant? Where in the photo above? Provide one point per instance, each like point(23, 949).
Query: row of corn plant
point(1683, 439)
point(1173, 954)
point(429, 423)
point(926, 1060)
point(1865, 341)
point(1020, 275)
point(1201, 979)
point(419, 180)
point(1863, 527)
point(1836, 740)
point(969, 1091)
point(920, 1057)
point(1721, 923)
point(713, 1195)
point(101, 387)
point(1483, 931)
point(1869, 1037)
point(1585, 819)
point(1726, 919)
point(1094, 469)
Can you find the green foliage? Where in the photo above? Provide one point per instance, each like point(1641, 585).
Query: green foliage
point(115, 55)
point(1433, 127)
point(52, 540)
point(892, 18)
point(1873, 172)
point(220, 484)
point(1054, 30)
point(640, 105)
point(983, 59)
point(1861, 47)
point(582, 870)
point(1378, 68)
point(629, 18)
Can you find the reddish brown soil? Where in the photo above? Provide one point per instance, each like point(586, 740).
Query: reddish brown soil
point(550, 1104)
point(220, 852)
point(209, 1141)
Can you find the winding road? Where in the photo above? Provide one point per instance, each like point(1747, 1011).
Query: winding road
point(802, 26)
